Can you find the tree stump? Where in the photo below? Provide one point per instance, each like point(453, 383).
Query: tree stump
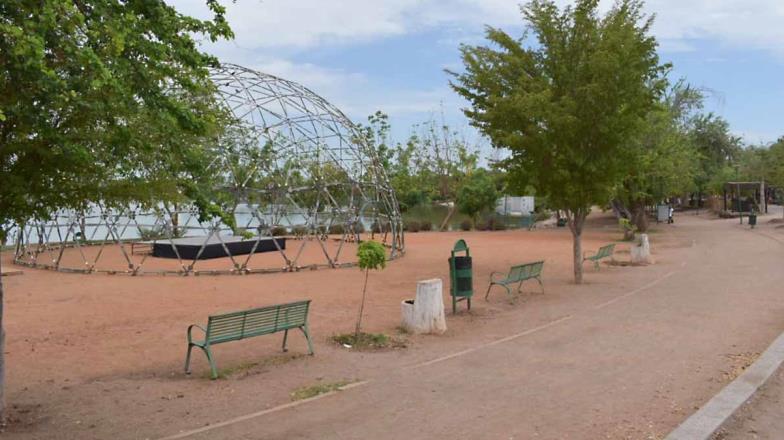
point(641, 252)
point(425, 314)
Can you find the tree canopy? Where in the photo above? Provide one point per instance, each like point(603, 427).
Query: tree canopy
point(102, 101)
point(94, 92)
point(566, 104)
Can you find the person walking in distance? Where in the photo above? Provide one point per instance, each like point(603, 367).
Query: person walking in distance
point(670, 220)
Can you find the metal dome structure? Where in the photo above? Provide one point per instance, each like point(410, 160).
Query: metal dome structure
point(301, 183)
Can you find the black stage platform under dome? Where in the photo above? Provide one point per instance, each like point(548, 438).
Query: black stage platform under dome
point(189, 247)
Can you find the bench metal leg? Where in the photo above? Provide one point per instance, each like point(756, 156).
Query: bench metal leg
point(540, 284)
point(188, 359)
point(596, 265)
point(487, 294)
point(307, 338)
point(285, 337)
point(213, 369)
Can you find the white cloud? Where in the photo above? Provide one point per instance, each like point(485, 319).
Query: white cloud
point(270, 33)
point(312, 23)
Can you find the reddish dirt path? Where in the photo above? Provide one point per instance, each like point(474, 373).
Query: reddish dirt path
point(100, 356)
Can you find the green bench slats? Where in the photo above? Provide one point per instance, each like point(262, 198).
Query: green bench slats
point(517, 274)
point(244, 324)
point(603, 252)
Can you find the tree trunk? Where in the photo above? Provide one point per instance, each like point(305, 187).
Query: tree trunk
point(639, 216)
point(620, 209)
point(576, 223)
point(2, 344)
point(445, 224)
point(361, 306)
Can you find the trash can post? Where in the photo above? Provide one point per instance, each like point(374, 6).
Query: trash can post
point(461, 279)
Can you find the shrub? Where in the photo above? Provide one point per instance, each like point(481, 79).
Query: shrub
point(299, 231)
point(378, 228)
point(543, 215)
point(628, 228)
point(466, 225)
point(412, 226)
point(277, 231)
point(426, 226)
point(482, 225)
point(495, 224)
point(151, 234)
point(337, 229)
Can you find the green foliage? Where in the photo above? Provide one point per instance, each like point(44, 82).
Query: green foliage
point(665, 161)
point(98, 98)
point(337, 229)
point(428, 167)
point(150, 234)
point(307, 392)
point(371, 255)
point(411, 226)
point(426, 226)
point(466, 225)
point(278, 231)
point(718, 149)
point(627, 227)
point(566, 106)
point(477, 193)
point(368, 341)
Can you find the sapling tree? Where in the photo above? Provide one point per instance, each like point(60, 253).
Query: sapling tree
point(370, 255)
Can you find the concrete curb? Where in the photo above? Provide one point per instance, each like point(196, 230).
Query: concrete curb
point(703, 424)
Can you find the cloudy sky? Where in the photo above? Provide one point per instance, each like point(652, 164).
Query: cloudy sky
point(390, 55)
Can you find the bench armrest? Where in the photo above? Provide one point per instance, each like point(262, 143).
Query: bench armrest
point(493, 274)
point(190, 327)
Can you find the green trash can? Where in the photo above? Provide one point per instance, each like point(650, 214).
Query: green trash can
point(461, 276)
point(752, 220)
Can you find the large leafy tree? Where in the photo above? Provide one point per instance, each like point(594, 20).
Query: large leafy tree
point(566, 105)
point(665, 161)
point(776, 157)
point(94, 94)
point(477, 193)
point(719, 152)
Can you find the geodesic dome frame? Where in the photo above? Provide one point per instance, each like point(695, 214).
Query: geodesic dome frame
point(295, 169)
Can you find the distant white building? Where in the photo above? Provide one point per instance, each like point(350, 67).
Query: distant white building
point(515, 206)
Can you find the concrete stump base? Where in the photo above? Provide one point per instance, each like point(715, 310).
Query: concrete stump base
point(641, 252)
point(425, 313)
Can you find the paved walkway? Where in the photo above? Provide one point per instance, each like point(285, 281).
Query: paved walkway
point(630, 365)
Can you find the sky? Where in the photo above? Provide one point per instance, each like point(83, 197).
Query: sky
point(391, 55)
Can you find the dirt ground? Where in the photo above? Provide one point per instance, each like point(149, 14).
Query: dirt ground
point(629, 354)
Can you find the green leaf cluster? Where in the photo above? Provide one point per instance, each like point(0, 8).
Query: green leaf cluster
point(102, 101)
point(371, 255)
point(477, 193)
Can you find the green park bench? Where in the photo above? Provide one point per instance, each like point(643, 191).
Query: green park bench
point(604, 252)
point(517, 275)
point(247, 324)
